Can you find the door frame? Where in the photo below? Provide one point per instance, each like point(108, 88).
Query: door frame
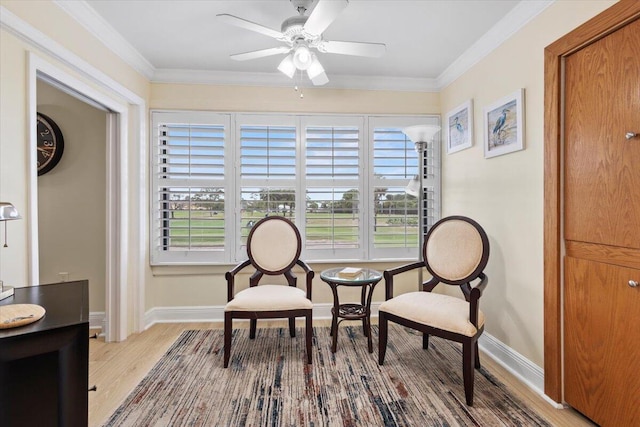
point(596, 28)
point(122, 258)
point(116, 206)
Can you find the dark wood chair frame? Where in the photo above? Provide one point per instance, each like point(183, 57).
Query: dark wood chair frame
point(272, 314)
point(472, 294)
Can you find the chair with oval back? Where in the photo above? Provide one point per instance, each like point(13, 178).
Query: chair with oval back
point(273, 247)
point(455, 252)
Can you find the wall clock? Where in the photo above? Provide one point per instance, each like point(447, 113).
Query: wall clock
point(50, 144)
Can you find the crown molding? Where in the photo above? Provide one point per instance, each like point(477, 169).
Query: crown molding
point(280, 80)
point(512, 22)
point(95, 24)
point(517, 18)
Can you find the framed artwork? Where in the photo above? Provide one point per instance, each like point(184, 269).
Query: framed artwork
point(504, 125)
point(459, 127)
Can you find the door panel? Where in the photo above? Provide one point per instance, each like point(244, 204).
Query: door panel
point(602, 168)
point(602, 228)
point(602, 341)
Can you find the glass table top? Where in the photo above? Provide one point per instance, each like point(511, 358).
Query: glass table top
point(351, 275)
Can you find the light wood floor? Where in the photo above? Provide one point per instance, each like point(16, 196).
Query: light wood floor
point(116, 368)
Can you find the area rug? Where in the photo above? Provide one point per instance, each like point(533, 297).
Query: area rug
point(268, 383)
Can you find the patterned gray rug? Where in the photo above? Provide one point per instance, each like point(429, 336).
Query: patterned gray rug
point(268, 384)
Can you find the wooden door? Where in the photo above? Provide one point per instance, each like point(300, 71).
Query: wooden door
point(602, 228)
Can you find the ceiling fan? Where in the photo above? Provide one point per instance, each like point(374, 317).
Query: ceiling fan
point(301, 34)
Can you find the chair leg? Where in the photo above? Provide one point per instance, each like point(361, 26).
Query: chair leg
point(253, 323)
point(425, 340)
point(468, 359)
point(309, 334)
point(228, 320)
point(292, 327)
point(333, 322)
point(477, 356)
point(382, 339)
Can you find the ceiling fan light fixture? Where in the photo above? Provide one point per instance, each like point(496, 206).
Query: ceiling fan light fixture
point(301, 36)
point(320, 79)
point(315, 68)
point(302, 57)
point(287, 67)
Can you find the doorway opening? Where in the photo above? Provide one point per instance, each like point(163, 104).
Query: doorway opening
point(72, 197)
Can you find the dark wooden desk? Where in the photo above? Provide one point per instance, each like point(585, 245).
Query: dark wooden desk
point(44, 366)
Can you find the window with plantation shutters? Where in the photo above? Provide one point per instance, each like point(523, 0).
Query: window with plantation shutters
point(189, 182)
point(268, 170)
point(342, 179)
point(333, 181)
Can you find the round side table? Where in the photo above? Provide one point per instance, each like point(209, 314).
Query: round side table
point(367, 279)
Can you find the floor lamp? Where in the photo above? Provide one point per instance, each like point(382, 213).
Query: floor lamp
point(421, 135)
point(8, 212)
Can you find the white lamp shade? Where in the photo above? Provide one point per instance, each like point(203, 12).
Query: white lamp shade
point(8, 212)
point(413, 188)
point(302, 57)
point(287, 67)
point(421, 133)
point(315, 69)
point(316, 73)
point(320, 79)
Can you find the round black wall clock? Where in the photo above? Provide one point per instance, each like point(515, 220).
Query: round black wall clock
point(50, 144)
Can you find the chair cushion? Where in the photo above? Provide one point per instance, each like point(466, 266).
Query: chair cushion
point(454, 249)
point(435, 310)
point(269, 298)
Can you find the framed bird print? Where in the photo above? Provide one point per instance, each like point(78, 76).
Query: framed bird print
point(504, 125)
point(459, 127)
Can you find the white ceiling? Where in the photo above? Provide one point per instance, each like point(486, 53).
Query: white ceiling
point(182, 40)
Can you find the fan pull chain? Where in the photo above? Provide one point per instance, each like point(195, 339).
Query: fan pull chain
point(298, 83)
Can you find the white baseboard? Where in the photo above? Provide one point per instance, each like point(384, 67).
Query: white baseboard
point(215, 313)
point(519, 366)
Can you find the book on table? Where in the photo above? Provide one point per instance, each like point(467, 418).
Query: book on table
point(349, 272)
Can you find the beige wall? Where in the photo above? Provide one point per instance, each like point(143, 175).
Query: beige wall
point(271, 99)
point(505, 193)
point(71, 197)
point(205, 286)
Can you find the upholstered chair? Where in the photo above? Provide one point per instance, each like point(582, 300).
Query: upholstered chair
point(273, 248)
point(455, 252)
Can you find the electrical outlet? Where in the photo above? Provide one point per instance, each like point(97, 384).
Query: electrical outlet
point(64, 276)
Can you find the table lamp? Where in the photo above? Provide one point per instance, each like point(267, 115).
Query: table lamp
point(8, 212)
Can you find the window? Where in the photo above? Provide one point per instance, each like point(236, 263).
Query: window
point(268, 148)
point(333, 187)
point(341, 179)
point(188, 206)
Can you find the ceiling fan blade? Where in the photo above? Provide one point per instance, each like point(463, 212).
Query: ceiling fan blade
point(373, 50)
point(248, 25)
point(260, 53)
point(325, 12)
